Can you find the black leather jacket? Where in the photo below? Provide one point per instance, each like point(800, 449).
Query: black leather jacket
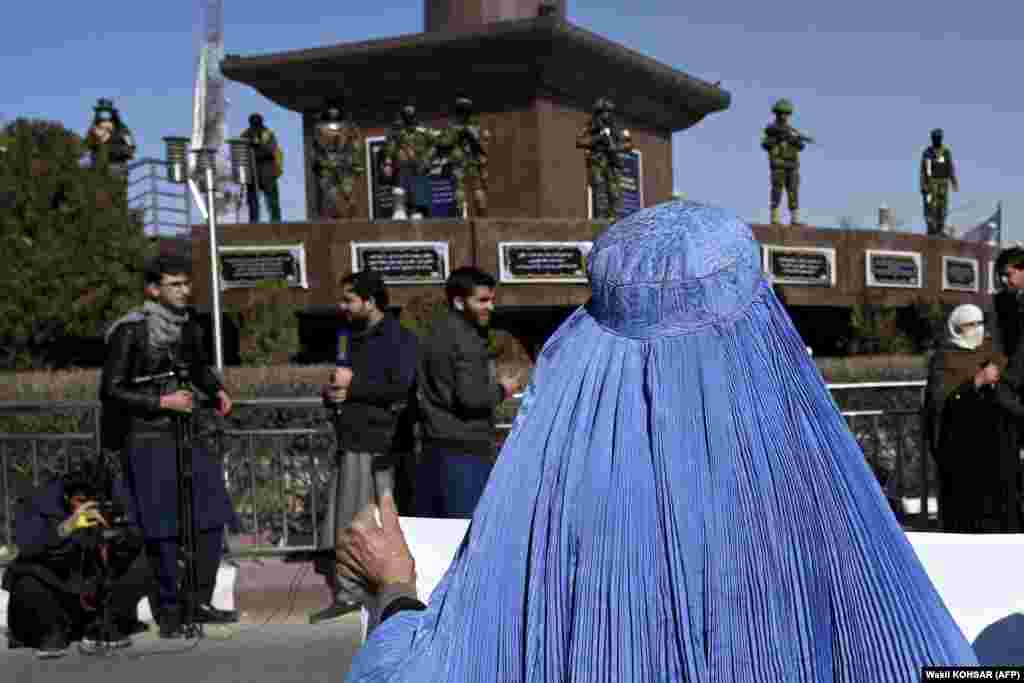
point(128, 406)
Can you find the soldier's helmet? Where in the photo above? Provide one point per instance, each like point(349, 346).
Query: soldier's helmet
point(937, 135)
point(255, 121)
point(332, 117)
point(105, 110)
point(783, 106)
point(408, 113)
point(463, 106)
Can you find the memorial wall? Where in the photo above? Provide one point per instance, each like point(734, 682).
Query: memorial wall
point(542, 262)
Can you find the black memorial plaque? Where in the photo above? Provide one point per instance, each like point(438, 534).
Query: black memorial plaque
point(249, 268)
point(961, 275)
point(404, 263)
point(800, 267)
point(894, 270)
point(532, 262)
point(381, 189)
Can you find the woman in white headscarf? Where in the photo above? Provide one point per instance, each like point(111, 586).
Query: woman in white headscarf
point(954, 362)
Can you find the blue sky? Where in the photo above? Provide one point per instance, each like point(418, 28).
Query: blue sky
point(868, 79)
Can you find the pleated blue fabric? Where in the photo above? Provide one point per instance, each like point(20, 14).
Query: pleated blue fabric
point(679, 500)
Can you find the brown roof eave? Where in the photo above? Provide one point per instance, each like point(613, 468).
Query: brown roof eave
point(683, 99)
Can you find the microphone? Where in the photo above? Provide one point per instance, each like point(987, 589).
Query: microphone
point(343, 359)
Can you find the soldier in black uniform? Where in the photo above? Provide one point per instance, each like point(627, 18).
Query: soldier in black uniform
point(138, 423)
point(937, 175)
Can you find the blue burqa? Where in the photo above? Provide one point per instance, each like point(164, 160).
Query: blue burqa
point(679, 500)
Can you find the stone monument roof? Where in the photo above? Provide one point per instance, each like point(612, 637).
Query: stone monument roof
point(499, 65)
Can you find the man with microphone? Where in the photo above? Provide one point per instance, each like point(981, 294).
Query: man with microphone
point(370, 389)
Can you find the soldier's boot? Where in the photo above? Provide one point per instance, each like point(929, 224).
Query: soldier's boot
point(775, 216)
point(794, 217)
point(481, 203)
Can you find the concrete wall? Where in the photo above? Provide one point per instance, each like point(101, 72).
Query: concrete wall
point(851, 286)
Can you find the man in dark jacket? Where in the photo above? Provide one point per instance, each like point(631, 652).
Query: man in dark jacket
point(368, 395)
point(1009, 308)
point(139, 412)
point(978, 460)
point(72, 562)
point(457, 395)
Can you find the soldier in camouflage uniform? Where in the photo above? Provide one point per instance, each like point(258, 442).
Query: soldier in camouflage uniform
point(937, 174)
point(784, 144)
point(337, 160)
point(265, 170)
point(604, 143)
point(463, 148)
point(407, 156)
point(110, 143)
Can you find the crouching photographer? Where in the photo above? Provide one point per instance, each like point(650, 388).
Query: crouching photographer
point(79, 574)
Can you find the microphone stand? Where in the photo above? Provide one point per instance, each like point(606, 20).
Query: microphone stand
point(184, 435)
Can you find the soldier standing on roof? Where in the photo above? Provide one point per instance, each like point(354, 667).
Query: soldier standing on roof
point(784, 144)
point(937, 174)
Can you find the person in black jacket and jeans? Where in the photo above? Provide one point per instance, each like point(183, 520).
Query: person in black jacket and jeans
point(457, 393)
point(368, 395)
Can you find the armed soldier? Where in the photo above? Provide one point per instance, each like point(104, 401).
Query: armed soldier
point(109, 141)
point(937, 174)
point(266, 160)
point(604, 143)
point(337, 159)
point(463, 147)
point(407, 157)
point(784, 144)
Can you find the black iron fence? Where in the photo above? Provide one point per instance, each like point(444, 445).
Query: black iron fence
point(278, 454)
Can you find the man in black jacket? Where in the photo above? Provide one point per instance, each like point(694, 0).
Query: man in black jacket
point(70, 564)
point(138, 423)
point(1009, 308)
point(458, 392)
point(368, 395)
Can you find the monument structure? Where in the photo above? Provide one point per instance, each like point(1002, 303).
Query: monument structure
point(534, 80)
point(533, 77)
point(504, 87)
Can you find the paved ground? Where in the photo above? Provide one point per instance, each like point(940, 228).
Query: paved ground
point(245, 653)
point(273, 643)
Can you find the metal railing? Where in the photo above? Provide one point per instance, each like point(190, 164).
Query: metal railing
point(148, 192)
point(277, 472)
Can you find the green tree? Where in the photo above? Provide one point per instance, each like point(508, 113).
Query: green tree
point(73, 254)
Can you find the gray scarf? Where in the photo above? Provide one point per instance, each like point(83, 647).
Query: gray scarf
point(164, 326)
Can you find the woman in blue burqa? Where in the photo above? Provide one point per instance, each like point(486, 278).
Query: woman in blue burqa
point(679, 500)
